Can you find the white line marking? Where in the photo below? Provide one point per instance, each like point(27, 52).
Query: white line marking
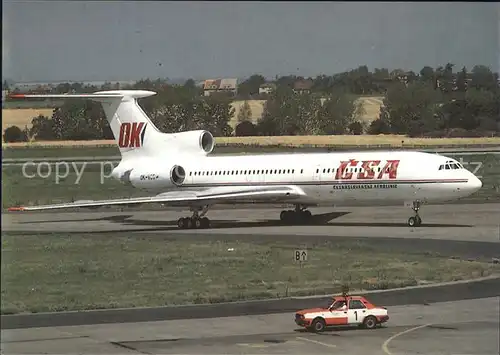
point(317, 342)
point(386, 343)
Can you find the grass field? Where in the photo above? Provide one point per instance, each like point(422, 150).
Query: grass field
point(62, 272)
point(20, 190)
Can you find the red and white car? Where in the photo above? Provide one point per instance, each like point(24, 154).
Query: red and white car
point(344, 311)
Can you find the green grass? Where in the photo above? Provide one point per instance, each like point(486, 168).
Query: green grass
point(73, 272)
point(19, 190)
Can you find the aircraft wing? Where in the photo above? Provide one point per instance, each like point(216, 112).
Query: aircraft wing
point(215, 195)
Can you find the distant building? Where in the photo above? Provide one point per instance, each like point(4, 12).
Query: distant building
point(267, 88)
point(229, 86)
point(302, 86)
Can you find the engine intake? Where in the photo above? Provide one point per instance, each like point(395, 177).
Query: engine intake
point(207, 142)
point(177, 175)
point(199, 141)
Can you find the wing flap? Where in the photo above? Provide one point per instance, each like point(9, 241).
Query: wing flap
point(179, 198)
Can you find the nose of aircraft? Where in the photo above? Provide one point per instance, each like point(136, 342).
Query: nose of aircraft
point(474, 183)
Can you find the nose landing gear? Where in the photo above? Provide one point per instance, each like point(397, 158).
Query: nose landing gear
point(415, 221)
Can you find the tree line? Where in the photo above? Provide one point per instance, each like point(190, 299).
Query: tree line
point(437, 102)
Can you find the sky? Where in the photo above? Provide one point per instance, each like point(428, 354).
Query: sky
point(115, 40)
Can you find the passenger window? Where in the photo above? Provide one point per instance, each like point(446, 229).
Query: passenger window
point(356, 304)
point(301, 171)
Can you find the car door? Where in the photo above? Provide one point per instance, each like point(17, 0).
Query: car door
point(356, 312)
point(336, 316)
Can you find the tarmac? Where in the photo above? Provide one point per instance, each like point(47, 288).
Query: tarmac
point(453, 319)
point(460, 327)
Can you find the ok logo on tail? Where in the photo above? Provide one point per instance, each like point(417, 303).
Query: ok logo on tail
point(131, 134)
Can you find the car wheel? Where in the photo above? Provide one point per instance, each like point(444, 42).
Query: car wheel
point(370, 322)
point(318, 325)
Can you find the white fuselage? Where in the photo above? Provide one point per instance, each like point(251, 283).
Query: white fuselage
point(347, 178)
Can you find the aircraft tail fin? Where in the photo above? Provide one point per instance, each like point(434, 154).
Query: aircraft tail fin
point(134, 132)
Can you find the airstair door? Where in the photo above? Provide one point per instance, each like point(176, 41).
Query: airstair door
point(317, 173)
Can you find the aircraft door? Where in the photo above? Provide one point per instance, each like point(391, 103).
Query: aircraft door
point(317, 173)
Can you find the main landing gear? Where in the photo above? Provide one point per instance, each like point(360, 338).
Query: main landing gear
point(415, 221)
point(299, 215)
point(197, 221)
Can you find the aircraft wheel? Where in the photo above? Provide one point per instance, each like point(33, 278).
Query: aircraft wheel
point(189, 223)
point(306, 215)
point(287, 216)
point(418, 220)
point(412, 221)
point(205, 222)
point(197, 223)
point(181, 223)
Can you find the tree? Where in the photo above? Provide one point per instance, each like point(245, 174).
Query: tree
point(427, 75)
point(278, 115)
point(251, 86)
point(379, 126)
point(462, 80)
point(411, 110)
point(79, 120)
point(483, 78)
point(337, 113)
point(14, 134)
point(190, 84)
point(245, 129)
point(42, 128)
point(245, 113)
point(356, 128)
point(217, 113)
point(445, 77)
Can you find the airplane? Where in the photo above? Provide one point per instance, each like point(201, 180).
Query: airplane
point(177, 169)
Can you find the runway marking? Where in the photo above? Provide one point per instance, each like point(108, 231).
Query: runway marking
point(317, 342)
point(253, 345)
point(386, 343)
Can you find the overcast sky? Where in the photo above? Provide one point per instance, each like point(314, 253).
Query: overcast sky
point(73, 40)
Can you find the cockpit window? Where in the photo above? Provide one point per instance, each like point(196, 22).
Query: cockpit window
point(451, 165)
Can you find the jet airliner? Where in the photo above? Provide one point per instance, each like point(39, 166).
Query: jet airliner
point(177, 169)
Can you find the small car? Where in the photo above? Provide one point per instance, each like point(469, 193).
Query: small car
point(344, 311)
